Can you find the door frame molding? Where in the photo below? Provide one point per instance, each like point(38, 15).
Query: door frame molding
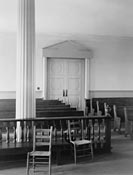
point(71, 50)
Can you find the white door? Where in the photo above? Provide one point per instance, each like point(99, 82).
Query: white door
point(66, 80)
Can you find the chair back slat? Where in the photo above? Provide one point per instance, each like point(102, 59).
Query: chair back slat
point(42, 143)
point(42, 137)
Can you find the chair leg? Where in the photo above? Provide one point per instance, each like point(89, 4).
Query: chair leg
point(75, 156)
point(27, 170)
point(33, 163)
point(49, 165)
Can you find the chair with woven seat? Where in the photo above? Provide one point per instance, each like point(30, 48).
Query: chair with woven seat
point(82, 147)
point(41, 154)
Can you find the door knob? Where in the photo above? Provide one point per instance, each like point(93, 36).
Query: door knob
point(63, 93)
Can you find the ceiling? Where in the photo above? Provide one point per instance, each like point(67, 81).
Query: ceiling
point(83, 17)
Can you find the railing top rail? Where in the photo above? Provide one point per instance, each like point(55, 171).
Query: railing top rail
point(55, 118)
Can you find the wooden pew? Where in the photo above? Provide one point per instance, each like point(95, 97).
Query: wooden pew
point(128, 113)
point(96, 108)
point(92, 111)
point(123, 114)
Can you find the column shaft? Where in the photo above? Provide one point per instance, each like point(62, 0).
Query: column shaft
point(25, 84)
point(44, 78)
point(86, 78)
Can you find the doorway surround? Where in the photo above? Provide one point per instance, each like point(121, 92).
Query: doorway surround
point(71, 50)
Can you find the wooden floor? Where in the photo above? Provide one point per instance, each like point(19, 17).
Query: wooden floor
point(119, 162)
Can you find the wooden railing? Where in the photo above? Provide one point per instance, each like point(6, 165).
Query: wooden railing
point(96, 128)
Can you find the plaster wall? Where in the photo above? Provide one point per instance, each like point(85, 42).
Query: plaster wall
point(110, 66)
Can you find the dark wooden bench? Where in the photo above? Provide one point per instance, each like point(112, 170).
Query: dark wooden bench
point(59, 113)
point(123, 114)
point(44, 108)
point(118, 101)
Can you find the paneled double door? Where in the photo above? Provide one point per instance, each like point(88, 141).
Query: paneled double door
point(66, 81)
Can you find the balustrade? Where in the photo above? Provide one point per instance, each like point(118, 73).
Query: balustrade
point(96, 128)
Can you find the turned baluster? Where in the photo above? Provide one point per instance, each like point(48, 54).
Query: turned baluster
point(61, 130)
point(5, 127)
point(1, 125)
point(28, 131)
point(22, 130)
point(7, 132)
point(88, 129)
point(13, 129)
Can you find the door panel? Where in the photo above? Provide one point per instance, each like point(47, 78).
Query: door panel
point(74, 82)
point(56, 78)
point(56, 67)
point(74, 68)
point(56, 86)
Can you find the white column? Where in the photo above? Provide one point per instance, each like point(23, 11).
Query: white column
point(86, 78)
point(25, 83)
point(44, 78)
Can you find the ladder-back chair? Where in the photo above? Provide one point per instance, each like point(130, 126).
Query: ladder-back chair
point(81, 146)
point(41, 154)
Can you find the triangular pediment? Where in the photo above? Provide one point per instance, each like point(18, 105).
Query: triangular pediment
point(66, 49)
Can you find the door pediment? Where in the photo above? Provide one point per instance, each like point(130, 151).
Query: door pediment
point(67, 49)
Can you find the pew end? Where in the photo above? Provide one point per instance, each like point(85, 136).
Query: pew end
point(117, 120)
